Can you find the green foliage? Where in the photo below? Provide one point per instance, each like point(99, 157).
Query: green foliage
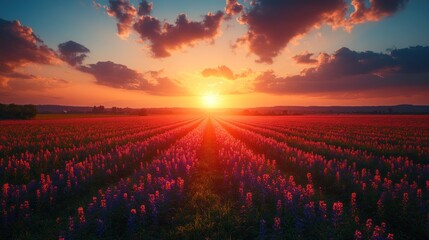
point(14, 111)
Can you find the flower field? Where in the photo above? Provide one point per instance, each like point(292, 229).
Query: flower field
point(216, 177)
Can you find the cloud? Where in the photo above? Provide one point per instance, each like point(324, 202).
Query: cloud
point(125, 13)
point(72, 52)
point(377, 9)
point(224, 72)
point(145, 8)
point(29, 82)
point(399, 72)
point(221, 71)
point(305, 58)
point(120, 76)
point(272, 24)
point(233, 7)
point(165, 37)
point(20, 46)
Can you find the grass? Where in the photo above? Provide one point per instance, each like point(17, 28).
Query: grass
point(207, 213)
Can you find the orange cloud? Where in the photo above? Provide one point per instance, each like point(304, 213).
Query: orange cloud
point(20, 46)
point(225, 72)
point(377, 9)
point(125, 12)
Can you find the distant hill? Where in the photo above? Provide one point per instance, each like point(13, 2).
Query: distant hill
point(396, 109)
point(276, 110)
point(62, 109)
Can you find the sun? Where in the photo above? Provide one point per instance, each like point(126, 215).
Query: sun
point(210, 100)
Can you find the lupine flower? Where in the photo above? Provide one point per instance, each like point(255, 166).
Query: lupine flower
point(322, 209)
point(419, 193)
point(368, 224)
point(132, 221)
point(309, 178)
point(142, 210)
point(376, 233)
point(358, 235)
point(405, 200)
point(81, 214)
point(71, 224)
point(277, 224)
point(248, 199)
point(152, 198)
point(310, 189)
point(279, 205)
point(5, 189)
point(337, 209)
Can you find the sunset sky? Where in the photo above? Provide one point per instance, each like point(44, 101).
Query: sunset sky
point(188, 53)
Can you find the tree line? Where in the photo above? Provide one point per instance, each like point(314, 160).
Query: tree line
point(14, 111)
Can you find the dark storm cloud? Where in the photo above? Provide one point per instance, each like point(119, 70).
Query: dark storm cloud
point(72, 52)
point(120, 76)
point(272, 24)
point(399, 72)
point(412, 59)
point(165, 37)
point(20, 46)
point(125, 12)
point(305, 58)
point(145, 8)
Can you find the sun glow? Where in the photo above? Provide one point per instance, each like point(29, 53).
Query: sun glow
point(210, 100)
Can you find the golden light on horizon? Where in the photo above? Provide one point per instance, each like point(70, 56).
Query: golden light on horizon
point(210, 100)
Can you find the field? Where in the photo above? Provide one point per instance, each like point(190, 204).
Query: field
point(215, 177)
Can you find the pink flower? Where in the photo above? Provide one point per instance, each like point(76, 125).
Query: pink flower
point(277, 224)
point(249, 199)
point(358, 235)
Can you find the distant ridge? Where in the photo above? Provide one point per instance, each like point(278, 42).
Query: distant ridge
point(394, 109)
point(275, 110)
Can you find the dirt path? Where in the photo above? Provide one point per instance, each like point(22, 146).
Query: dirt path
point(208, 213)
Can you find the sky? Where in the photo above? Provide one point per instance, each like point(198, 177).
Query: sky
point(214, 53)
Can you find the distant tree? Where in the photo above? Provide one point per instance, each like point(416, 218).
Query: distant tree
point(114, 110)
point(246, 112)
point(142, 112)
point(29, 111)
point(99, 109)
point(14, 111)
